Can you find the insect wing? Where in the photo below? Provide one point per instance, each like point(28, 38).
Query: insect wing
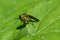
point(33, 19)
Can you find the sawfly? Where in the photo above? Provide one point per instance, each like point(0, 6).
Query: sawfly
point(25, 18)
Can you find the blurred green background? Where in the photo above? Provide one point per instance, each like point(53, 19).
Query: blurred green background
point(47, 11)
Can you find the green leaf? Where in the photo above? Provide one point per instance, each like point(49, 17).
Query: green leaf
point(47, 11)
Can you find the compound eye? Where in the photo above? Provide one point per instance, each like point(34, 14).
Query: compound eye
point(20, 17)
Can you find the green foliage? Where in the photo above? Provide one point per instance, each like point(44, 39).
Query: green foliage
point(47, 11)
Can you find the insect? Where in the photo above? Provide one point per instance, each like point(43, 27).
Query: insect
point(25, 18)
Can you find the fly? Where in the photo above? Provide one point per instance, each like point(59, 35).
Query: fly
point(25, 18)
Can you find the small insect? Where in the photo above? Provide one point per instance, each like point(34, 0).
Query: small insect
point(25, 18)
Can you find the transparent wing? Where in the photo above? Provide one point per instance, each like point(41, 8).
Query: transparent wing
point(33, 19)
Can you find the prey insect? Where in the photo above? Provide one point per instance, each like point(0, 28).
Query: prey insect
point(25, 18)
